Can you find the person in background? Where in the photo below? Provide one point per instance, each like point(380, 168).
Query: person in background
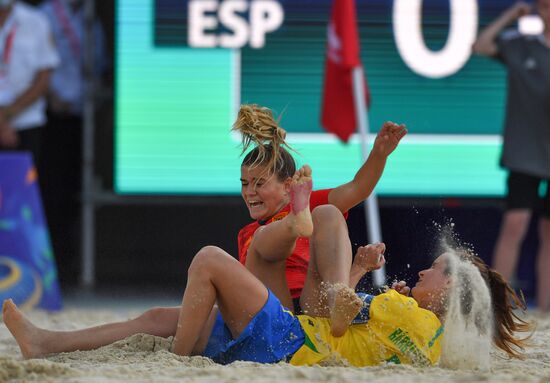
point(27, 58)
point(526, 149)
point(64, 129)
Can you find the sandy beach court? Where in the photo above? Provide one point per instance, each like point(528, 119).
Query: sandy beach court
point(144, 358)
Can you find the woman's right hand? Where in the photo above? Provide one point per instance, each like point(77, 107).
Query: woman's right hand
point(388, 138)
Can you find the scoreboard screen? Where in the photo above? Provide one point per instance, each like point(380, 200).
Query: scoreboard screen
point(176, 101)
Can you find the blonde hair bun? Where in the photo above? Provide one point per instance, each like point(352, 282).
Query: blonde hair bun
point(259, 128)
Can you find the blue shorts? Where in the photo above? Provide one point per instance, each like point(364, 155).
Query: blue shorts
point(274, 334)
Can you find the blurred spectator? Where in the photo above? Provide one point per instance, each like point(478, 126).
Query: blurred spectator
point(64, 129)
point(526, 149)
point(27, 56)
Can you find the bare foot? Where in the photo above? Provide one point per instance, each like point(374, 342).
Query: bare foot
point(300, 190)
point(25, 333)
point(344, 306)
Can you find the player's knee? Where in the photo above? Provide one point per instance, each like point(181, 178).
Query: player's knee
point(257, 238)
point(206, 259)
point(326, 215)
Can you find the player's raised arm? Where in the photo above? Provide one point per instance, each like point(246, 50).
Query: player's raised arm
point(350, 194)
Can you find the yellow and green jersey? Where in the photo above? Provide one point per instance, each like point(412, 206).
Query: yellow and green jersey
point(395, 330)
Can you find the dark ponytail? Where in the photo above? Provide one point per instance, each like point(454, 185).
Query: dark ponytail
point(505, 300)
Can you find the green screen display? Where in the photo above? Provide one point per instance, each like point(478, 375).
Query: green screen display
point(175, 104)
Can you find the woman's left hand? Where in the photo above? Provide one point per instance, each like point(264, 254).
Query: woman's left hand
point(401, 287)
point(388, 138)
point(370, 257)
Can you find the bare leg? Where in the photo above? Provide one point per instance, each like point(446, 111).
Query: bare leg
point(35, 342)
point(326, 291)
point(330, 259)
point(273, 243)
point(543, 265)
point(507, 250)
point(216, 276)
point(239, 293)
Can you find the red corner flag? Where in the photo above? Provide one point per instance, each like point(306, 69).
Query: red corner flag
point(338, 114)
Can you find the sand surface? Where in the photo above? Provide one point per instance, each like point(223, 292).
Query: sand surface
point(144, 358)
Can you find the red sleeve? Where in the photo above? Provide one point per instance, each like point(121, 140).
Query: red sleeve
point(244, 238)
point(320, 197)
point(240, 243)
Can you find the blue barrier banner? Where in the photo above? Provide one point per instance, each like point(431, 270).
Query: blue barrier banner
point(28, 273)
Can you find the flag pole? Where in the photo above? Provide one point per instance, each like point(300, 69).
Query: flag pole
point(372, 214)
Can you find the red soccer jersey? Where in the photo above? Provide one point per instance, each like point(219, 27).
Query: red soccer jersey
point(296, 264)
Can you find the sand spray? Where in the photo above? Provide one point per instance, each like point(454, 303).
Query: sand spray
point(467, 339)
